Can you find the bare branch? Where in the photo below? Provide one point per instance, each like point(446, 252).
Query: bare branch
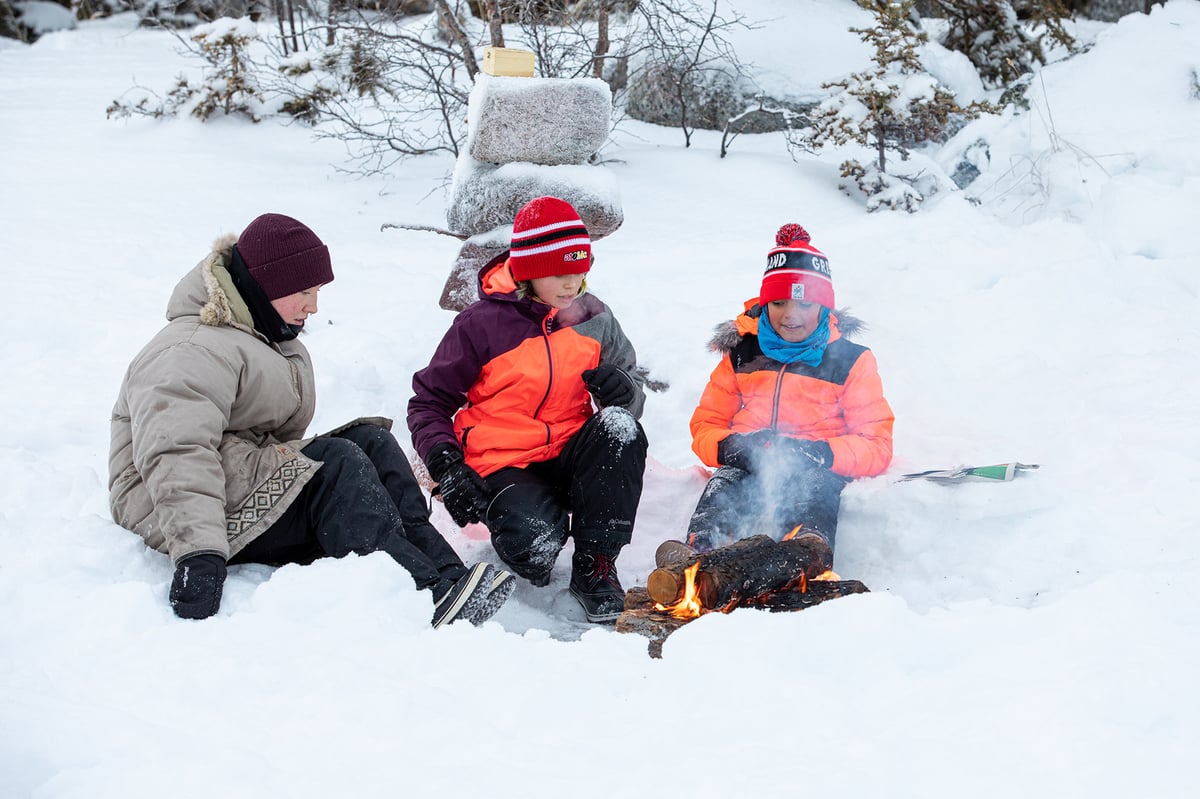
point(428, 228)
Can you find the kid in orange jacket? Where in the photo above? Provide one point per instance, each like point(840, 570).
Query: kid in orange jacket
point(793, 411)
point(503, 414)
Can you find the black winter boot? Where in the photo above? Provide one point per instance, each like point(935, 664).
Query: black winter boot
point(595, 584)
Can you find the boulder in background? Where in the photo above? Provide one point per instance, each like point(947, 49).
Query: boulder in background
point(537, 120)
point(485, 197)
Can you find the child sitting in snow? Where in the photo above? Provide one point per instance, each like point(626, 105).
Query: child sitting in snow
point(792, 412)
point(209, 460)
point(503, 415)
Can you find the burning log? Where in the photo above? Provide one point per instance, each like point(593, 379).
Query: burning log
point(756, 572)
point(815, 593)
point(666, 583)
point(643, 617)
point(743, 570)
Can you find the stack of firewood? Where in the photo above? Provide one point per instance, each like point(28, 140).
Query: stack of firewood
point(756, 572)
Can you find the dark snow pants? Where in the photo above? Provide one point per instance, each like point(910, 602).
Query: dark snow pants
point(589, 492)
point(737, 504)
point(363, 499)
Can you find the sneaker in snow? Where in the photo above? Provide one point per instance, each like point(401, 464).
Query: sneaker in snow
point(595, 584)
point(464, 599)
point(498, 591)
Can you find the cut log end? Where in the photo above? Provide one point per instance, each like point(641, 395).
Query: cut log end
point(664, 586)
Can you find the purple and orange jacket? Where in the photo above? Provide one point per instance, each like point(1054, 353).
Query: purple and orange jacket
point(505, 382)
point(840, 400)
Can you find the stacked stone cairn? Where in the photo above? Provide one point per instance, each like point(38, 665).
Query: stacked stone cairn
point(526, 137)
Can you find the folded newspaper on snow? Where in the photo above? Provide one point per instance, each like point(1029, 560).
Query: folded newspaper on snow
point(999, 472)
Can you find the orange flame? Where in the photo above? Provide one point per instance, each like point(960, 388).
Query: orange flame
point(688, 607)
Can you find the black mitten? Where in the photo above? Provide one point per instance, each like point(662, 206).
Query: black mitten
point(819, 452)
point(196, 587)
point(744, 450)
point(610, 385)
point(463, 491)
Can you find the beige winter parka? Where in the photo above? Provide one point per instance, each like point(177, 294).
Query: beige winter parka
point(208, 426)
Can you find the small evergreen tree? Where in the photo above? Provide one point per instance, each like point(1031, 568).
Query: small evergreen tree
point(229, 86)
point(890, 108)
point(997, 42)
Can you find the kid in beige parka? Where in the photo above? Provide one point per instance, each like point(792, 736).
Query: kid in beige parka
point(209, 460)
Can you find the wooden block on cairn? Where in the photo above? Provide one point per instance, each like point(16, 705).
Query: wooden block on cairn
point(509, 61)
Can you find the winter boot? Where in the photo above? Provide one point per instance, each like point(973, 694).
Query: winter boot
point(595, 584)
point(671, 552)
point(466, 597)
point(816, 540)
point(700, 542)
point(498, 591)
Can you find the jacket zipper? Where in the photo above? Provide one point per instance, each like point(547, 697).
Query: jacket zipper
point(550, 371)
point(775, 399)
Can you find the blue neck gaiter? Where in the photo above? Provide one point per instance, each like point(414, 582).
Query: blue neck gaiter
point(809, 351)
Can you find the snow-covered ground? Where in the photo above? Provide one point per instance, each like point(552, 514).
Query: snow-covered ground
point(1033, 638)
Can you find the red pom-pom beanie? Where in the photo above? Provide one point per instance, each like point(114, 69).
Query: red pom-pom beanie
point(549, 239)
point(796, 270)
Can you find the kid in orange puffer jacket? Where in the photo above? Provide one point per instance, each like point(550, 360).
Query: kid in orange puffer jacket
point(793, 411)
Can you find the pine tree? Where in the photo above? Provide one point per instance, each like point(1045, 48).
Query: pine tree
point(997, 42)
point(890, 108)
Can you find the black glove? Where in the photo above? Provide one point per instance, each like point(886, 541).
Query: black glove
point(819, 452)
point(744, 450)
point(463, 491)
point(196, 588)
point(610, 385)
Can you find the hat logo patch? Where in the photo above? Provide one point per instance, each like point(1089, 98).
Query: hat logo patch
point(798, 291)
point(577, 255)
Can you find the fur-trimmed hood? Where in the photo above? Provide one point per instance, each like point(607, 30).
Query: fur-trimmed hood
point(728, 334)
point(207, 291)
point(209, 424)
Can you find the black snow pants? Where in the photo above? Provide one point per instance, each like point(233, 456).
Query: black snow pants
point(737, 504)
point(363, 499)
point(589, 492)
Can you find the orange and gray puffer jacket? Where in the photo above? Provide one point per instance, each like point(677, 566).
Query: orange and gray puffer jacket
point(839, 401)
point(516, 366)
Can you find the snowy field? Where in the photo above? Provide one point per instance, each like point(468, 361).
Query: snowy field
point(1033, 638)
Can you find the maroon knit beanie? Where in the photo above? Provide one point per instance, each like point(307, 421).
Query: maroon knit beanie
point(549, 239)
point(796, 270)
point(284, 256)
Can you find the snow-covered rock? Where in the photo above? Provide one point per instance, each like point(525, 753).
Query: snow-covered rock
point(485, 196)
point(537, 120)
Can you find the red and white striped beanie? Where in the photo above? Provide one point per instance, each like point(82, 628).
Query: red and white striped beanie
point(549, 239)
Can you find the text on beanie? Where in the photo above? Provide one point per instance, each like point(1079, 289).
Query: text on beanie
point(549, 239)
point(796, 270)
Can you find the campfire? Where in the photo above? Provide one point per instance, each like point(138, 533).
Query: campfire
point(688, 607)
point(756, 572)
